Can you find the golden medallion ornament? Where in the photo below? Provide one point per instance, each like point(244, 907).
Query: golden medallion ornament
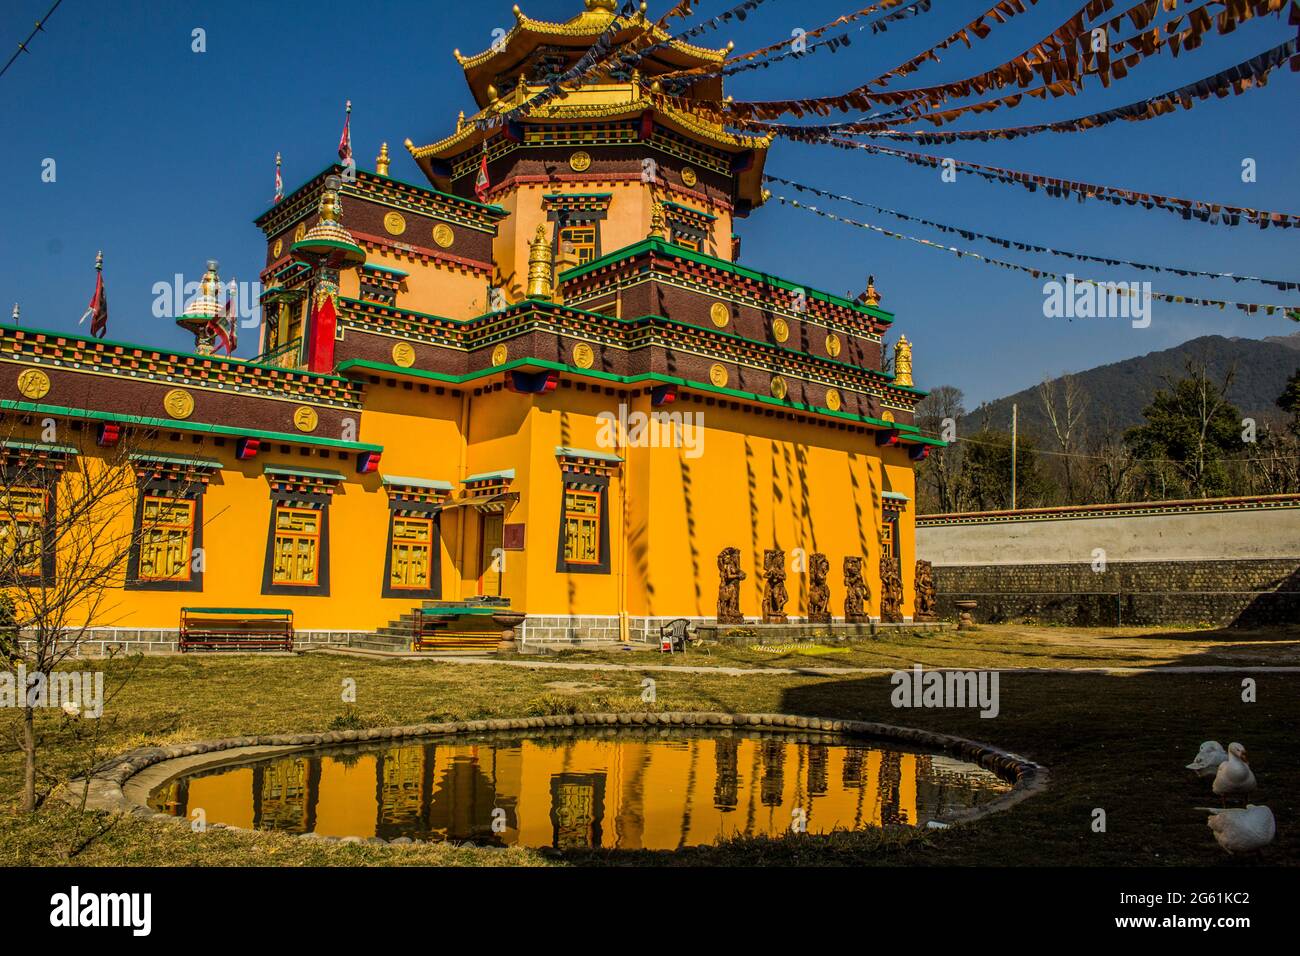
point(718, 376)
point(277, 249)
point(833, 400)
point(443, 235)
point(305, 419)
point(779, 388)
point(300, 232)
point(780, 330)
point(583, 355)
point(689, 176)
point(580, 161)
point(720, 314)
point(394, 223)
point(404, 354)
point(179, 403)
point(833, 345)
point(886, 416)
point(33, 383)
point(499, 355)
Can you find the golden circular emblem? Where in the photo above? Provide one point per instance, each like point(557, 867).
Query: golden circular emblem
point(833, 400)
point(720, 314)
point(305, 419)
point(583, 355)
point(580, 161)
point(778, 386)
point(300, 231)
point(887, 415)
point(277, 249)
point(443, 235)
point(33, 383)
point(179, 403)
point(394, 224)
point(833, 345)
point(780, 330)
point(718, 376)
point(689, 177)
point(499, 355)
point(404, 354)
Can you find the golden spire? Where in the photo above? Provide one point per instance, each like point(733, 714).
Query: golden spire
point(658, 221)
point(871, 296)
point(381, 161)
point(539, 265)
point(460, 122)
point(903, 361)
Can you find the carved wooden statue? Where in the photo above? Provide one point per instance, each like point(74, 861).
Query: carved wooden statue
point(819, 594)
point(856, 593)
point(774, 592)
point(891, 591)
point(926, 599)
point(729, 578)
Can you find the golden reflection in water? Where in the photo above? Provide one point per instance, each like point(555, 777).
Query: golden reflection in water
point(615, 792)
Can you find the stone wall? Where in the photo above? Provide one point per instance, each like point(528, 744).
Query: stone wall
point(99, 641)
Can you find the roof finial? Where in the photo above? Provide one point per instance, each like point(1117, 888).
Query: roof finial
point(871, 296)
point(903, 361)
point(15, 313)
point(539, 265)
point(99, 260)
point(658, 221)
point(381, 161)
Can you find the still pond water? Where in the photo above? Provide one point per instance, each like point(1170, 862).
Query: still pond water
point(620, 789)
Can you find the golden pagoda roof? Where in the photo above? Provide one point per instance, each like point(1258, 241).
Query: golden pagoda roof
point(507, 55)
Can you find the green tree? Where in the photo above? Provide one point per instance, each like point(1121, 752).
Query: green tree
point(1191, 429)
point(1289, 401)
point(987, 471)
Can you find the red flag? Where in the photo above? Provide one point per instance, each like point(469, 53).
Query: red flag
point(481, 183)
point(97, 311)
point(345, 141)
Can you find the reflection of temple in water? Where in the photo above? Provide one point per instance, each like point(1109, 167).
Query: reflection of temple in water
point(628, 793)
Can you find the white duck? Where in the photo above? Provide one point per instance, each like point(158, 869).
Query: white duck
point(1234, 777)
point(1240, 831)
point(1208, 759)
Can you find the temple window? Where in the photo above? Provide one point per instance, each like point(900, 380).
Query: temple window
point(581, 527)
point(689, 228)
point(22, 516)
point(296, 553)
point(583, 545)
point(412, 566)
point(297, 543)
point(166, 539)
point(577, 218)
point(892, 504)
point(412, 556)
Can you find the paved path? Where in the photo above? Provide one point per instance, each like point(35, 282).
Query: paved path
point(730, 671)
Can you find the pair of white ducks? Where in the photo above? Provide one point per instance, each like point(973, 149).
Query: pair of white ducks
point(1237, 830)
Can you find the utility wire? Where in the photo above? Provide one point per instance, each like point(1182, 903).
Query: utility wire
point(22, 47)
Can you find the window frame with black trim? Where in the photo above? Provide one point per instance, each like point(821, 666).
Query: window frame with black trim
point(297, 499)
point(588, 484)
point(43, 575)
point(166, 488)
point(400, 509)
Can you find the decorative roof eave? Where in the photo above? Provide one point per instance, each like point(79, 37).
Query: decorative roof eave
point(660, 246)
point(528, 34)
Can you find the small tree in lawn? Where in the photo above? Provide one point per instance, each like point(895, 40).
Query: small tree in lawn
point(67, 528)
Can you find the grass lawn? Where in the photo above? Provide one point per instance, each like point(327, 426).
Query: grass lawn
point(1114, 742)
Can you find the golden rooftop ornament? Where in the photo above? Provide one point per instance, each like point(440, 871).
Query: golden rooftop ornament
point(381, 161)
point(903, 361)
point(658, 223)
point(539, 266)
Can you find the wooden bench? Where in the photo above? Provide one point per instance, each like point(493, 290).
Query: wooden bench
point(458, 625)
point(236, 629)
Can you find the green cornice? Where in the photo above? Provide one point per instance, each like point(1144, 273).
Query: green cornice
point(172, 424)
point(910, 433)
point(667, 248)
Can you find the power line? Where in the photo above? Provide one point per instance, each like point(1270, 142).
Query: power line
point(22, 47)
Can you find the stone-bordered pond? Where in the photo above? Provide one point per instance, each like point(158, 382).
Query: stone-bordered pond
point(625, 787)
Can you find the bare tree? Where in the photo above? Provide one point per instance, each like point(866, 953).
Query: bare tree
point(68, 524)
point(937, 415)
point(1064, 403)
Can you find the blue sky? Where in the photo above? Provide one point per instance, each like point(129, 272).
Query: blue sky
point(165, 156)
